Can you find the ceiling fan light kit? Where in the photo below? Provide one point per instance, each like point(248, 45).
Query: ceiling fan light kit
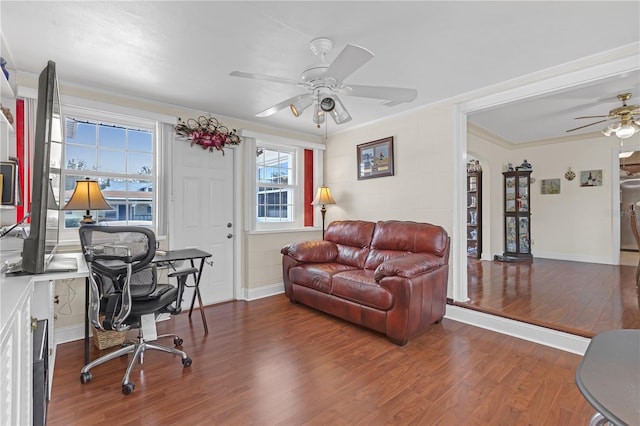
point(324, 81)
point(298, 107)
point(624, 131)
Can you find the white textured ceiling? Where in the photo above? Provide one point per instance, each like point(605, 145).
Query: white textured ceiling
point(181, 53)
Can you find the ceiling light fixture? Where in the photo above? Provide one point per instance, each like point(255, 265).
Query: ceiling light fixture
point(298, 107)
point(318, 113)
point(623, 130)
point(339, 113)
point(625, 154)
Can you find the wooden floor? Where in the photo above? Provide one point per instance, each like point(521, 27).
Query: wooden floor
point(269, 362)
point(575, 297)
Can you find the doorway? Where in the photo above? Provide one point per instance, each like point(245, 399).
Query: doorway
point(629, 194)
point(545, 84)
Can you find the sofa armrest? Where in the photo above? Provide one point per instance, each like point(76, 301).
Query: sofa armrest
point(408, 266)
point(312, 251)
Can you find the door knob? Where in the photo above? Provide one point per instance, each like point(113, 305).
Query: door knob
point(229, 235)
point(229, 225)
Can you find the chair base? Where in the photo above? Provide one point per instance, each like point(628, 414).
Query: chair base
point(137, 347)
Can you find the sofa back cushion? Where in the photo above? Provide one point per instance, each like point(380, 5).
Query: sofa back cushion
point(352, 237)
point(394, 238)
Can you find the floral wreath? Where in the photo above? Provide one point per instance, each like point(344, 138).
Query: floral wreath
point(207, 132)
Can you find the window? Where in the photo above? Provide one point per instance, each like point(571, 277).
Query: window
point(120, 156)
point(280, 187)
point(276, 185)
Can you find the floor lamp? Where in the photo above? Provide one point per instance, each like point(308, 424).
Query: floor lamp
point(323, 196)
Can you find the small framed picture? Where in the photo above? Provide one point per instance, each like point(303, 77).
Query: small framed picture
point(550, 186)
point(591, 178)
point(375, 159)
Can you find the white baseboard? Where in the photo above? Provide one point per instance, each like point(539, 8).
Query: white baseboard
point(544, 336)
point(70, 333)
point(573, 257)
point(264, 291)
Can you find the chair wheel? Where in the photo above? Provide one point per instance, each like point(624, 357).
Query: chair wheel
point(187, 362)
point(85, 377)
point(177, 341)
point(128, 388)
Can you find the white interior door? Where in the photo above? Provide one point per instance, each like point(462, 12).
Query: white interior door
point(202, 215)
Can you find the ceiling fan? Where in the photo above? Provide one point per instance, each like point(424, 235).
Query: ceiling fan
point(324, 82)
point(627, 119)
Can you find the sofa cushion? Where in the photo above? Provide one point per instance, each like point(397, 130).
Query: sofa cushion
point(352, 238)
point(408, 237)
point(316, 275)
point(359, 286)
point(377, 257)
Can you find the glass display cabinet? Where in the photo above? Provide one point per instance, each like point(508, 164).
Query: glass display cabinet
point(474, 214)
point(517, 215)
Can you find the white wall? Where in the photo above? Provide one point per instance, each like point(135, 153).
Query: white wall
point(422, 187)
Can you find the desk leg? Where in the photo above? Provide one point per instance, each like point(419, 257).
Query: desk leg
point(197, 293)
point(86, 321)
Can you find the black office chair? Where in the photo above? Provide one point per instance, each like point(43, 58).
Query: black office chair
point(124, 287)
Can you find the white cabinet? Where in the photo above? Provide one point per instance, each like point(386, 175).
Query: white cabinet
point(16, 378)
point(24, 299)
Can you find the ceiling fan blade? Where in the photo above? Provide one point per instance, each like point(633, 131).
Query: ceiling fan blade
point(590, 116)
point(586, 125)
point(393, 95)
point(264, 77)
point(348, 61)
point(282, 105)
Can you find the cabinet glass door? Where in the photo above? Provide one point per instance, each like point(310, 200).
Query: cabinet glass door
point(510, 194)
point(524, 234)
point(523, 194)
point(511, 234)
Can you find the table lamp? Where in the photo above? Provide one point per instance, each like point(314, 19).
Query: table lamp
point(87, 196)
point(323, 196)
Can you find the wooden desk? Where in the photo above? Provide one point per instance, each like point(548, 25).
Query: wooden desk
point(173, 256)
point(609, 377)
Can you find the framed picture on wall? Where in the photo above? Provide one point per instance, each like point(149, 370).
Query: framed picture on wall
point(375, 159)
point(591, 178)
point(550, 186)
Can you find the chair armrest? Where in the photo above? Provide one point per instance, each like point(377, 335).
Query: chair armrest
point(181, 275)
point(408, 266)
point(312, 251)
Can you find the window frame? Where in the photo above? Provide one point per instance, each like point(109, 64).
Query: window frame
point(253, 140)
point(111, 119)
point(297, 215)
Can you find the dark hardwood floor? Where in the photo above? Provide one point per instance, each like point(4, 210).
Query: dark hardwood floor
point(574, 297)
point(269, 362)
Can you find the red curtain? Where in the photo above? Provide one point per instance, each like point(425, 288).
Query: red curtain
point(23, 162)
point(308, 187)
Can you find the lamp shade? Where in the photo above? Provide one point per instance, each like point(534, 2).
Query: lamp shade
point(87, 196)
point(323, 196)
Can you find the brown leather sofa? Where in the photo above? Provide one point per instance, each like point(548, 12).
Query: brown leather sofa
point(387, 276)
